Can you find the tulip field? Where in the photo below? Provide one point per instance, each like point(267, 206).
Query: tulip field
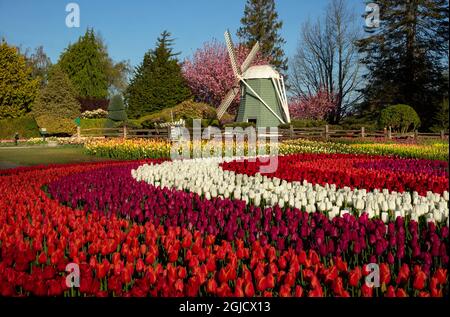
point(151, 226)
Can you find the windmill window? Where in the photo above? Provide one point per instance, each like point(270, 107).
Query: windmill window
point(251, 120)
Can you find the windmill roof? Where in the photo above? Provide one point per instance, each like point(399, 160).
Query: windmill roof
point(261, 71)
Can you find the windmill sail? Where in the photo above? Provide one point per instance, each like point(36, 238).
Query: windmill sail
point(231, 53)
point(229, 97)
point(226, 102)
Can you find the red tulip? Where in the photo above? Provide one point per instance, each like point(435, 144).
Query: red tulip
point(366, 291)
point(401, 292)
point(285, 291)
point(390, 291)
point(249, 289)
point(420, 280)
point(298, 291)
point(140, 265)
point(355, 276)
point(441, 275)
point(211, 286)
point(42, 259)
point(385, 274)
point(403, 274)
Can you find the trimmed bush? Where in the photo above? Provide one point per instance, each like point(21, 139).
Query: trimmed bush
point(186, 110)
point(116, 112)
point(26, 127)
point(402, 118)
point(92, 124)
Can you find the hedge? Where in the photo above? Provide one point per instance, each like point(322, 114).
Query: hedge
point(26, 127)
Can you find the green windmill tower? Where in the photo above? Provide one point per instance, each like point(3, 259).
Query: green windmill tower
point(263, 93)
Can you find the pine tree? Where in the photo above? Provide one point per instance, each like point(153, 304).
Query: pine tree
point(405, 56)
point(261, 23)
point(18, 89)
point(116, 112)
point(86, 65)
point(56, 107)
point(158, 82)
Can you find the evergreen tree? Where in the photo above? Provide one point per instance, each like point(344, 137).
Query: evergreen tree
point(116, 111)
point(86, 65)
point(56, 107)
point(406, 56)
point(261, 23)
point(441, 117)
point(158, 82)
point(18, 89)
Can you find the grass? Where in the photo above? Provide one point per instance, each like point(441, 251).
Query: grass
point(14, 157)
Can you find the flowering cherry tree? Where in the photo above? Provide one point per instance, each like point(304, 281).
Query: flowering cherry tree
point(209, 73)
point(312, 106)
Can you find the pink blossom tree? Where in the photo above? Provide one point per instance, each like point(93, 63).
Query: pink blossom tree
point(209, 74)
point(316, 106)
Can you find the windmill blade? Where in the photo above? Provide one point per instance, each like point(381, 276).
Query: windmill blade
point(232, 54)
point(226, 102)
point(250, 57)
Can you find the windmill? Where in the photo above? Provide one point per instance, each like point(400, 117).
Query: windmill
point(263, 94)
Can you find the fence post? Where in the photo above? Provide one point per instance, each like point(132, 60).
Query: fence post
point(416, 134)
point(363, 132)
point(124, 131)
point(78, 133)
point(442, 134)
point(327, 131)
point(390, 133)
point(385, 132)
point(291, 131)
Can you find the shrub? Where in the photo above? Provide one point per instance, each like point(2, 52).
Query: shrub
point(94, 114)
point(56, 125)
point(400, 117)
point(441, 117)
point(56, 106)
point(26, 126)
point(17, 88)
point(355, 123)
point(186, 110)
point(116, 112)
point(92, 124)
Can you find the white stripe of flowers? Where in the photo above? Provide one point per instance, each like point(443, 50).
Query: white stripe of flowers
point(205, 177)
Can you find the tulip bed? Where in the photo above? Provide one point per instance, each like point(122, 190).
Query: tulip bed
point(216, 227)
point(142, 149)
point(361, 171)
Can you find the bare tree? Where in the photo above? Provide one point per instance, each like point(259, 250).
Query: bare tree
point(327, 58)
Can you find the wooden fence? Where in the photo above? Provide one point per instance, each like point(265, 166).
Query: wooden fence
point(284, 134)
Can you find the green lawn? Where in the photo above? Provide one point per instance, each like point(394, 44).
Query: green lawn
point(14, 157)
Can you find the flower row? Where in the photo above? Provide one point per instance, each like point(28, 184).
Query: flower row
point(437, 151)
point(360, 171)
point(142, 148)
point(206, 177)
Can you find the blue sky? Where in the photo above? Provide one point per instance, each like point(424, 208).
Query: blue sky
point(130, 28)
